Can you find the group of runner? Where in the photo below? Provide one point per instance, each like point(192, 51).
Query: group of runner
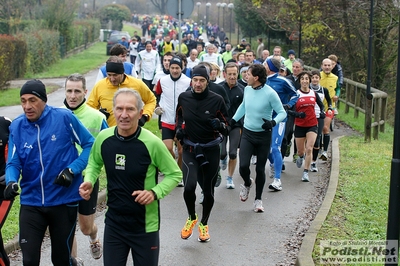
point(255, 109)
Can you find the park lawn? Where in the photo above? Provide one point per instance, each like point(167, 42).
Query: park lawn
point(83, 62)
point(11, 97)
point(360, 207)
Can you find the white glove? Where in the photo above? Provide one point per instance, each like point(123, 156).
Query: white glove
point(159, 111)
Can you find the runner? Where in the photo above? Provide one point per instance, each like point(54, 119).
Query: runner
point(259, 101)
point(94, 121)
point(235, 93)
point(306, 124)
point(204, 114)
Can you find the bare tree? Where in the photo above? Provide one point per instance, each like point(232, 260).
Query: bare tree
point(161, 5)
point(338, 27)
point(14, 9)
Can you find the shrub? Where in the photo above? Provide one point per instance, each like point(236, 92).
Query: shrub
point(12, 54)
point(43, 49)
point(35, 49)
point(83, 32)
point(13, 26)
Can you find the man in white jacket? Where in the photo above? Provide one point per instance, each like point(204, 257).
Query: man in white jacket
point(169, 88)
point(212, 57)
point(147, 62)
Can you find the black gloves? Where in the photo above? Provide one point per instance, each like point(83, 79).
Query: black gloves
point(232, 122)
point(291, 113)
point(180, 134)
point(216, 123)
point(64, 178)
point(286, 106)
point(322, 115)
point(143, 120)
point(11, 191)
point(296, 114)
point(301, 115)
point(104, 112)
point(268, 124)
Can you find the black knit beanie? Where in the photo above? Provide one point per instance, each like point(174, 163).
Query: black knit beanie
point(35, 87)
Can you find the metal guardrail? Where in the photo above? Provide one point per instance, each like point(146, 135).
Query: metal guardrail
point(374, 106)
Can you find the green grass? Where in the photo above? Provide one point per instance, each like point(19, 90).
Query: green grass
point(79, 63)
point(10, 97)
point(360, 207)
point(358, 123)
point(152, 125)
point(82, 62)
point(10, 228)
point(130, 29)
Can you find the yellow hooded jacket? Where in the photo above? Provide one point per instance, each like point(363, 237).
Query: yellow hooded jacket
point(103, 92)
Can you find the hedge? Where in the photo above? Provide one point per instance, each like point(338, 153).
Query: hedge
point(13, 52)
point(34, 50)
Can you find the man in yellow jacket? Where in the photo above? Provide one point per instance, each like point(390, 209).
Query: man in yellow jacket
point(103, 91)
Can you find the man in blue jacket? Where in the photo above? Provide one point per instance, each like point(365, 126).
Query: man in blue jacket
point(42, 150)
point(288, 96)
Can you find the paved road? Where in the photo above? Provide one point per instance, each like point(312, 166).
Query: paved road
point(238, 235)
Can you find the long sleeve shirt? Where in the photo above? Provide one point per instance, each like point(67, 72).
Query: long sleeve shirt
point(147, 64)
point(259, 104)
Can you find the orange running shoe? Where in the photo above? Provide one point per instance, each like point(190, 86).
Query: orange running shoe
point(203, 233)
point(187, 230)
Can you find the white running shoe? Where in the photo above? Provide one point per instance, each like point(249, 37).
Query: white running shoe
point(229, 183)
point(244, 192)
point(276, 185)
point(253, 159)
point(324, 156)
point(180, 184)
point(224, 163)
point(305, 177)
point(258, 206)
point(271, 171)
point(96, 250)
point(299, 161)
point(314, 167)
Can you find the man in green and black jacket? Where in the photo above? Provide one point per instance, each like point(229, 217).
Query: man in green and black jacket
point(131, 156)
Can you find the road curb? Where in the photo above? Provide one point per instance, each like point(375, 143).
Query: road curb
point(304, 258)
point(13, 244)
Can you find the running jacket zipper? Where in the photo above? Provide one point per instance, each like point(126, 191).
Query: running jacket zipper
point(41, 161)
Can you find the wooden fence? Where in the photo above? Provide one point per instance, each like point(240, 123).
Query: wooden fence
point(374, 106)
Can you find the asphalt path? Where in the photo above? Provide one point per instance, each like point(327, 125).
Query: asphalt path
point(238, 235)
